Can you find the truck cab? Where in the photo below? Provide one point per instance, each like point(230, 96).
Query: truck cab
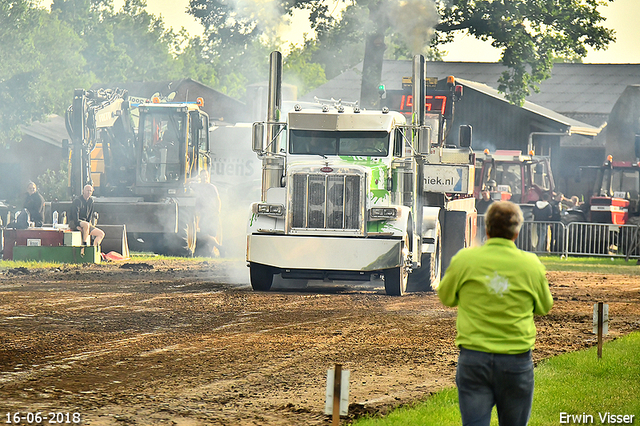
point(348, 194)
point(173, 148)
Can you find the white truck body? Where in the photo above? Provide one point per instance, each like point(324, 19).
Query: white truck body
point(341, 199)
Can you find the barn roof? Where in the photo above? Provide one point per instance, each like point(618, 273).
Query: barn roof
point(572, 89)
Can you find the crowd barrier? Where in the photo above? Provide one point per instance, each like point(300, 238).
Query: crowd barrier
point(575, 239)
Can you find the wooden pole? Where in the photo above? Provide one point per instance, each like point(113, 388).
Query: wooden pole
point(337, 385)
point(600, 326)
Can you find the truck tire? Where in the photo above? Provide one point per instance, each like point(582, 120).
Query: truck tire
point(427, 277)
point(261, 276)
point(396, 279)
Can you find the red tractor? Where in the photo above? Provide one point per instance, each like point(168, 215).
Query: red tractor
point(615, 197)
point(510, 175)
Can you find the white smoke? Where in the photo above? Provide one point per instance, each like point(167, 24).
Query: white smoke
point(415, 21)
point(268, 15)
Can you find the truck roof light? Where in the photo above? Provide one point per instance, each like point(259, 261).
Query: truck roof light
point(340, 108)
point(451, 81)
point(609, 158)
point(325, 108)
point(356, 109)
point(486, 151)
point(200, 102)
point(531, 153)
point(155, 100)
point(385, 110)
point(297, 107)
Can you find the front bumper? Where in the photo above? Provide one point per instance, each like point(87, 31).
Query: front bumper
point(324, 253)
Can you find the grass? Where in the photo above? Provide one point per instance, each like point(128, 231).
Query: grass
point(602, 265)
point(134, 257)
point(573, 383)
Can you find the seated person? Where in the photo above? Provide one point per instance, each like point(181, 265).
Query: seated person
point(80, 217)
point(34, 204)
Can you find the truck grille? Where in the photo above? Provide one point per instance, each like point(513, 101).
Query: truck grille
point(323, 201)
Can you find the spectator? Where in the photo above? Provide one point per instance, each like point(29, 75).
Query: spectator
point(208, 209)
point(558, 205)
point(483, 203)
point(575, 201)
point(497, 289)
point(542, 212)
point(81, 215)
point(34, 204)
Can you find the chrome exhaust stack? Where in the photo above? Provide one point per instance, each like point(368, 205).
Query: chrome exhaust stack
point(421, 137)
point(272, 163)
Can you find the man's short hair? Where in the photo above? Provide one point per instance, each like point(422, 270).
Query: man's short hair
point(503, 220)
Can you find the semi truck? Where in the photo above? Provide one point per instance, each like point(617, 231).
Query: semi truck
point(351, 194)
point(143, 161)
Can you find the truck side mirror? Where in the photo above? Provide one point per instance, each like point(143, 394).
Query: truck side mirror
point(464, 136)
point(257, 137)
point(424, 140)
point(398, 143)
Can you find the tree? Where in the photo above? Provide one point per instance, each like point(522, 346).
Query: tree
point(40, 66)
point(528, 32)
point(128, 45)
point(299, 70)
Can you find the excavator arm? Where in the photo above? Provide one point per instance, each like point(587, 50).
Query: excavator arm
point(100, 119)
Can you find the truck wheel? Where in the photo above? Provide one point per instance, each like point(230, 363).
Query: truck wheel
point(427, 277)
point(396, 279)
point(261, 276)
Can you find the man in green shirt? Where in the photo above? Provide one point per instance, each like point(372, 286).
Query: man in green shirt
point(497, 289)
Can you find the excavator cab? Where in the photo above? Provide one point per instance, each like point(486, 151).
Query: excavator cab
point(173, 147)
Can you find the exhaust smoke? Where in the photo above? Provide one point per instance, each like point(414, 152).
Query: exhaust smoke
point(415, 21)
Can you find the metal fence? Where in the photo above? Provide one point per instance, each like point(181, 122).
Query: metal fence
point(575, 239)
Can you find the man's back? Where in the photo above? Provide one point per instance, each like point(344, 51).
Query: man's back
point(496, 301)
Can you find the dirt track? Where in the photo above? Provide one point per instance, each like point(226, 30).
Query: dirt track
point(186, 343)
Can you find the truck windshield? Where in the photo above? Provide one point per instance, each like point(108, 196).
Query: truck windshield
point(357, 143)
point(540, 175)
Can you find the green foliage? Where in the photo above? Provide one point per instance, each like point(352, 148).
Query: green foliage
point(53, 185)
point(529, 34)
point(47, 54)
point(130, 45)
point(40, 66)
point(299, 70)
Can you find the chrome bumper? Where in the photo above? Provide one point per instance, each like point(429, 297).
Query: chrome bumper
point(324, 253)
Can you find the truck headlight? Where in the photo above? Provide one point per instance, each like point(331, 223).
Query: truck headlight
point(383, 213)
point(270, 209)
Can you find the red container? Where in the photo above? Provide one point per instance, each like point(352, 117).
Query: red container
point(22, 237)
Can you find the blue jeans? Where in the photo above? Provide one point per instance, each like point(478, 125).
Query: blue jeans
point(486, 379)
